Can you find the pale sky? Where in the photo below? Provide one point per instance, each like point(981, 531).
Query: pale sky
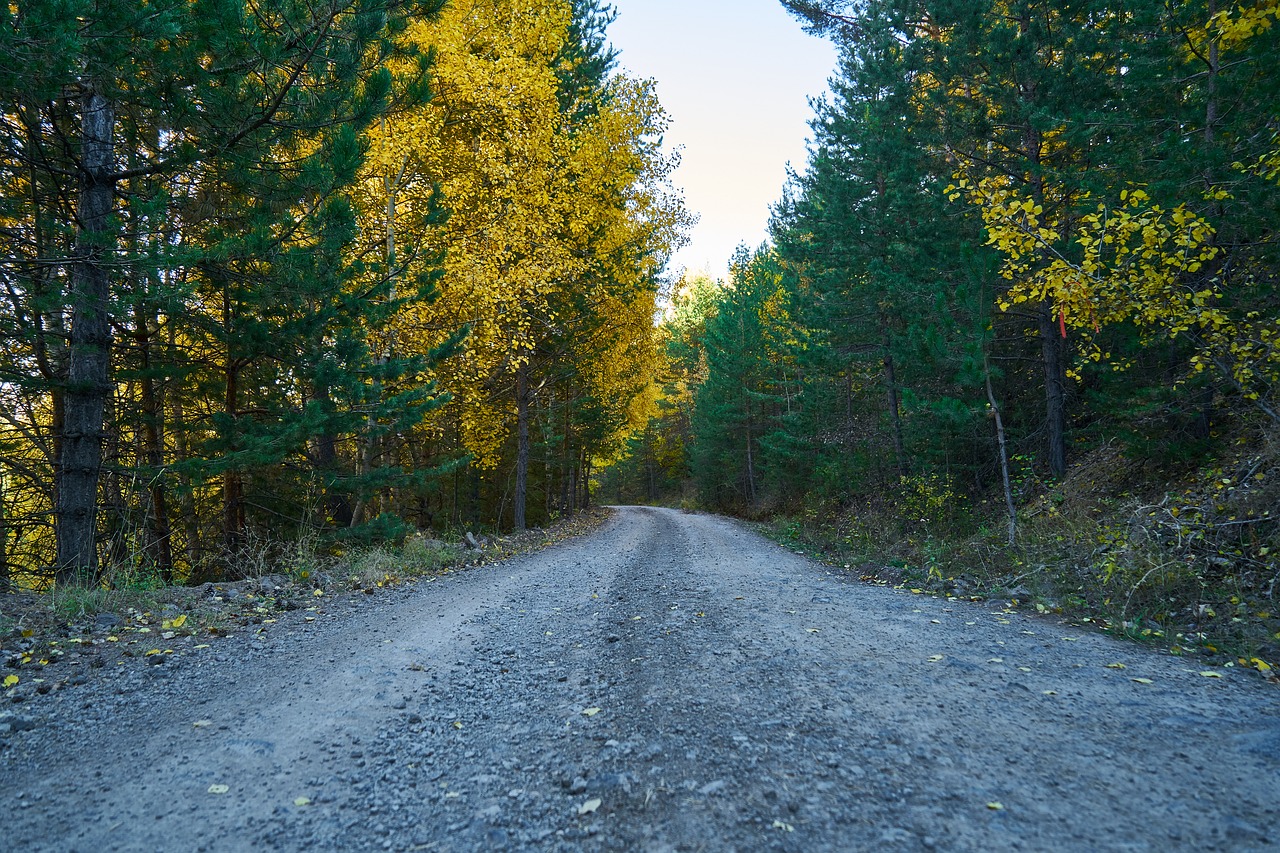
point(735, 76)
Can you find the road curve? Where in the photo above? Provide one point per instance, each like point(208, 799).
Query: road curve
point(673, 682)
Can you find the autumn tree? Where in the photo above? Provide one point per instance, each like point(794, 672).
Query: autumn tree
point(558, 219)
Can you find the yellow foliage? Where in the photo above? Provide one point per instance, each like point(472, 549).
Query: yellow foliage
point(1132, 261)
point(553, 220)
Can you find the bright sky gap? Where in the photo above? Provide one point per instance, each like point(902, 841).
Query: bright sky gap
point(736, 77)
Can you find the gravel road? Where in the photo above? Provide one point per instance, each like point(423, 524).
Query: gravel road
point(672, 682)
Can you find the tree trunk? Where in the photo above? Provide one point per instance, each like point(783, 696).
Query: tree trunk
point(1004, 456)
point(4, 535)
point(90, 349)
point(232, 485)
point(159, 547)
point(522, 445)
point(895, 407)
point(1053, 347)
point(186, 492)
point(337, 505)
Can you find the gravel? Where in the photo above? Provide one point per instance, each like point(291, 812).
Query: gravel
point(672, 682)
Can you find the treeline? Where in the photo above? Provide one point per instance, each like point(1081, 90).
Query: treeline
point(331, 270)
point(1029, 235)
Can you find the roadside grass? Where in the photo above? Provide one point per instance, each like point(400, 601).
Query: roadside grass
point(1191, 569)
point(264, 576)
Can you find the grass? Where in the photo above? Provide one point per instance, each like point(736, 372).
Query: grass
point(1190, 569)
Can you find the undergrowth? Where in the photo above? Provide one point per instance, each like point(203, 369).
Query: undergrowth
point(1191, 568)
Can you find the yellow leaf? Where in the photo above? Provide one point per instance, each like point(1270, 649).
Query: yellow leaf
point(202, 724)
point(175, 622)
point(457, 724)
point(1049, 692)
point(996, 807)
point(1115, 666)
point(935, 658)
point(318, 593)
point(590, 806)
point(27, 632)
point(153, 652)
point(302, 801)
point(1143, 680)
point(590, 712)
point(201, 646)
point(1208, 673)
point(219, 789)
point(10, 680)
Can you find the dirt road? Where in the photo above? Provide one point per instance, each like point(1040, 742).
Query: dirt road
point(672, 682)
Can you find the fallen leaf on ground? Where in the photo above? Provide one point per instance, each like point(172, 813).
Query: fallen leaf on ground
point(1024, 669)
point(457, 724)
point(785, 827)
point(936, 621)
point(996, 807)
point(935, 658)
point(1143, 680)
point(812, 630)
point(10, 680)
point(302, 801)
point(995, 660)
point(1116, 666)
point(590, 712)
point(1208, 673)
point(200, 724)
point(175, 622)
point(1049, 692)
point(590, 806)
point(219, 789)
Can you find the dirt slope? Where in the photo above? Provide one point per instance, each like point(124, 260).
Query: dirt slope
point(672, 682)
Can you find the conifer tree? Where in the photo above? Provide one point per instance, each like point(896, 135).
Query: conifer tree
point(195, 96)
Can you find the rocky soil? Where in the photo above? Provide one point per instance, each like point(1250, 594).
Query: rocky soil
point(671, 682)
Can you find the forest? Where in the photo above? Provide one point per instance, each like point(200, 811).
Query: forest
point(1015, 331)
point(331, 276)
point(326, 273)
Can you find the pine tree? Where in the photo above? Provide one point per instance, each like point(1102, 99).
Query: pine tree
point(90, 113)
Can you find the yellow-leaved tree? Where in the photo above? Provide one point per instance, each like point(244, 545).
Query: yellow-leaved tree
point(558, 219)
